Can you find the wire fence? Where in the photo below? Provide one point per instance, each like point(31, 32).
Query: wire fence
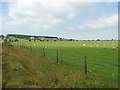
point(53, 54)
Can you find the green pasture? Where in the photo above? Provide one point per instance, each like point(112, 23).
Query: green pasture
point(102, 56)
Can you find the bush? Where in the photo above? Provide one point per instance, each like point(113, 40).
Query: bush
point(10, 40)
point(98, 39)
point(16, 40)
point(29, 40)
point(5, 39)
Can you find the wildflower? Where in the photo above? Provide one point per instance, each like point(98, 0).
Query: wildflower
point(83, 44)
point(113, 75)
point(90, 70)
point(20, 66)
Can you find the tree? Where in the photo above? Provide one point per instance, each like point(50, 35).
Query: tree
point(10, 40)
point(16, 40)
point(70, 40)
point(5, 40)
point(98, 39)
point(2, 36)
point(29, 40)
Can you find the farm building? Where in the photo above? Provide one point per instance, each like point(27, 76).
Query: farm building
point(51, 38)
point(32, 38)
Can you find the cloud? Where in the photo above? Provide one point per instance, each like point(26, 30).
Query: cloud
point(71, 29)
point(55, 17)
point(33, 12)
point(71, 15)
point(68, 0)
point(1, 20)
point(102, 22)
point(44, 12)
point(80, 27)
point(46, 26)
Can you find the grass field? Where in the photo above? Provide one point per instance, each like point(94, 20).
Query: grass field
point(102, 61)
point(102, 56)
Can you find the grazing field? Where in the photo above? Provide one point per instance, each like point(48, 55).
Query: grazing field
point(28, 67)
point(102, 56)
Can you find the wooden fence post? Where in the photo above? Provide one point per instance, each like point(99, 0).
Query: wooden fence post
point(85, 64)
point(57, 57)
point(26, 46)
point(44, 51)
point(6, 53)
point(61, 56)
point(30, 48)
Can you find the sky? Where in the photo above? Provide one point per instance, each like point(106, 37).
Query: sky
point(62, 18)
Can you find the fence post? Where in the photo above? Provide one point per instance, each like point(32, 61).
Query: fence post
point(26, 47)
point(44, 51)
point(61, 56)
point(85, 64)
point(57, 57)
point(6, 53)
point(30, 48)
